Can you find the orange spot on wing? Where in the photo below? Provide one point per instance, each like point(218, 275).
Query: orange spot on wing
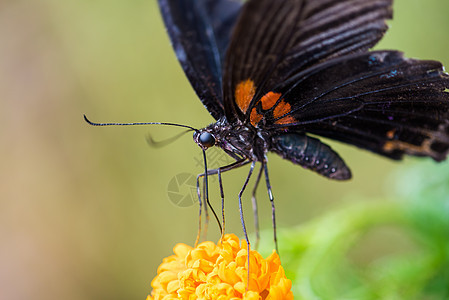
point(391, 133)
point(255, 117)
point(286, 120)
point(244, 93)
point(269, 99)
point(281, 109)
point(424, 148)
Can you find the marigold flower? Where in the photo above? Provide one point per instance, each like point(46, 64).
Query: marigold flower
point(220, 271)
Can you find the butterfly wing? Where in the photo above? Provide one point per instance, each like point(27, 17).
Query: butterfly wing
point(275, 40)
point(304, 67)
point(200, 31)
point(378, 100)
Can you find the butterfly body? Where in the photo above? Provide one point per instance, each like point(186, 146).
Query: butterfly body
point(311, 154)
point(249, 143)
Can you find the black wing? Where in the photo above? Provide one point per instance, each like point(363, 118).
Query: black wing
point(303, 65)
point(378, 100)
point(200, 31)
point(275, 40)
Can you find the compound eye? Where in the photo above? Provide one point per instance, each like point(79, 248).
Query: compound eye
point(206, 139)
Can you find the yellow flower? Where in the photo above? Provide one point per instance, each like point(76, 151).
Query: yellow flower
point(220, 271)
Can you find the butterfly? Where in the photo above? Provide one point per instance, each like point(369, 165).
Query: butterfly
point(277, 73)
point(274, 72)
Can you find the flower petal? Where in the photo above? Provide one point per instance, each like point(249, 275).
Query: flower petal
point(220, 271)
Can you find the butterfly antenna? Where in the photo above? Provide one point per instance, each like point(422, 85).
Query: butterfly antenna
point(138, 123)
point(163, 143)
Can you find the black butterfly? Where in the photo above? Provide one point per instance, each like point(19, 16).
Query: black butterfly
point(273, 71)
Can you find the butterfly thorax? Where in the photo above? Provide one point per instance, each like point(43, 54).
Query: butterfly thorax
point(238, 140)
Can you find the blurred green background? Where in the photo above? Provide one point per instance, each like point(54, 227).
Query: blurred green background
point(84, 211)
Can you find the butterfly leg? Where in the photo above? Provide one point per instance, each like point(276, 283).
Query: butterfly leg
point(201, 209)
point(255, 208)
point(273, 210)
point(205, 193)
point(206, 200)
point(242, 219)
point(206, 207)
point(220, 170)
point(220, 183)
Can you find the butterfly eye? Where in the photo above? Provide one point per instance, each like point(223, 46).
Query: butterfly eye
point(206, 139)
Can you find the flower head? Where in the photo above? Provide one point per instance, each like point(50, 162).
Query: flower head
point(211, 271)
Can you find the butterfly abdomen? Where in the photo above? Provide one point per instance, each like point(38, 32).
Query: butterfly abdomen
point(312, 154)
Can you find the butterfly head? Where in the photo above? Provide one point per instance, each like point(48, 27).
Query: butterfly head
point(238, 141)
point(204, 138)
